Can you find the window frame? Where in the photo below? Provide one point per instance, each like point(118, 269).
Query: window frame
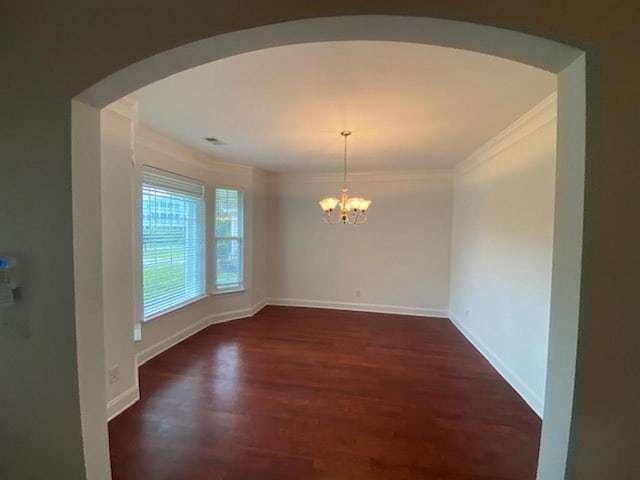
point(213, 262)
point(205, 241)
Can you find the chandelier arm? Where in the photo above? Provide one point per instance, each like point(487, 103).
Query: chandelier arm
point(353, 217)
point(332, 217)
point(357, 217)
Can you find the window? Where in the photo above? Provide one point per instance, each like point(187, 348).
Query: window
point(228, 239)
point(173, 241)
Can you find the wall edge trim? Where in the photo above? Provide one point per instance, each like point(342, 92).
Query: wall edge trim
point(148, 353)
point(130, 396)
point(151, 351)
point(159, 142)
point(522, 389)
point(123, 401)
point(534, 119)
point(359, 307)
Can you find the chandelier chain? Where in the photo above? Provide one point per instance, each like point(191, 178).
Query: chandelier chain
point(345, 134)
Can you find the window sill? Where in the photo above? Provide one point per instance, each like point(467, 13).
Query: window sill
point(231, 290)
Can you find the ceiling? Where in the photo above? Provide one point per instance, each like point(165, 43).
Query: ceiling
point(409, 106)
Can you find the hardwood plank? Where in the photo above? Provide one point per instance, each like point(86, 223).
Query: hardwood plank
point(300, 393)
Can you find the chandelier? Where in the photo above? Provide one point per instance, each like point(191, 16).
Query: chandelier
point(351, 210)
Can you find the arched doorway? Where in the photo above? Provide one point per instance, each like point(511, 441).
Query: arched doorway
point(566, 61)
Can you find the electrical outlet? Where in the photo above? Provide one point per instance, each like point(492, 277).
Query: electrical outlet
point(113, 374)
point(358, 293)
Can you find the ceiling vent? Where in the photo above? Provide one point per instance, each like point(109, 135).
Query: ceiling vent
point(214, 141)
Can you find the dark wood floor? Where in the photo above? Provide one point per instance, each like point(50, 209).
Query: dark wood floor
point(297, 393)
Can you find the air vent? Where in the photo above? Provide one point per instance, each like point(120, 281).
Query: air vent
point(214, 141)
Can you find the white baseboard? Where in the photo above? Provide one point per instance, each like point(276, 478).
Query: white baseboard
point(123, 401)
point(528, 395)
point(359, 307)
point(132, 395)
point(126, 399)
point(148, 353)
point(259, 306)
point(235, 314)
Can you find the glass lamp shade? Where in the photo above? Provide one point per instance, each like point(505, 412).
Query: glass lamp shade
point(328, 204)
point(364, 204)
point(351, 202)
point(357, 203)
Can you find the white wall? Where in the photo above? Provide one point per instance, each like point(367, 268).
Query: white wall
point(117, 168)
point(87, 268)
point(407, 238)
point(158, 151)
point(566, 307)
point(259, 248)
point(123, 155)
point(503, 213)
point(398, 260)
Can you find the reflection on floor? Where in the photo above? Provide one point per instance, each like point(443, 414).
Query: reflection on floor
point(299, 393)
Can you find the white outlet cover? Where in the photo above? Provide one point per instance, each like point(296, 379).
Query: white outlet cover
point(112, 374)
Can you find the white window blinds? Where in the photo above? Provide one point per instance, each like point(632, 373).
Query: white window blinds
point(228, 239)
point(173, 241)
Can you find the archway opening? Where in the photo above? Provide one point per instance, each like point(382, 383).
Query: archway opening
point(567, 62)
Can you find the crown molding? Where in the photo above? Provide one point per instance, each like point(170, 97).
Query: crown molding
point(154, 140)
point(536, 118)
point(361, 177)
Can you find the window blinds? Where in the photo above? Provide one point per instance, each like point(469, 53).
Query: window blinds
point(173, 241)
point(228, 233)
